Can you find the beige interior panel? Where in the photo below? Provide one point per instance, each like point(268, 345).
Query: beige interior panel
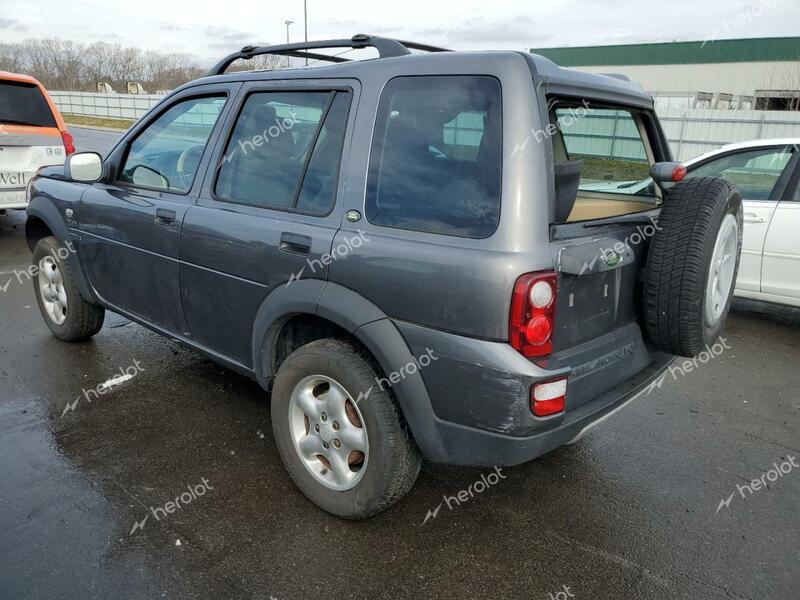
point(599, 208)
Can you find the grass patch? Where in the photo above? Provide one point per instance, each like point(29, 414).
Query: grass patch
point(121, 124)
point(602, 169)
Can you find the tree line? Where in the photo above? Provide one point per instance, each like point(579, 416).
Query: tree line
point(73, 66)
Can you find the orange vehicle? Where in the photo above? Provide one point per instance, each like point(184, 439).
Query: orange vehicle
point(32, 135)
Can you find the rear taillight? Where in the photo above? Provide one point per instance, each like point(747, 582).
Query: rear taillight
point(549, 397)
point(69, 142)
point(533, 304)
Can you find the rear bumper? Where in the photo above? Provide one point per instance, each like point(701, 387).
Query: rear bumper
point(473, 447)
point(476, 407)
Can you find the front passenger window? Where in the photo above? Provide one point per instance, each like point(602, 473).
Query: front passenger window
point(166, 155)
point(754, 172)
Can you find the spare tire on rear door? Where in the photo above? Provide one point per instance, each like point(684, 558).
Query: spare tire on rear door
point(692, 265)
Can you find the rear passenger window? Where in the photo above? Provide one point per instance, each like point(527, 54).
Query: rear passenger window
point(436, 161)
point(285, 151)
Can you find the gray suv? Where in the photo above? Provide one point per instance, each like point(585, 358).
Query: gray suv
point(468, 257)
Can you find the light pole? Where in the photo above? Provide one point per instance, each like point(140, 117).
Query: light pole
point(305, 22)
point(287, 40)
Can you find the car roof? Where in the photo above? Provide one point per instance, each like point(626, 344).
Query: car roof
point(19, 78)
point(354, 67)
point(748, 145)
point(554, 79)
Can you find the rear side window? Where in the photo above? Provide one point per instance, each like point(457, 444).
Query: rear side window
point(285, 151)
point(24, 104)
point(611, 147)
point(436, 161)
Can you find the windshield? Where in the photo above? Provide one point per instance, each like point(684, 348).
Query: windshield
point(24, 104)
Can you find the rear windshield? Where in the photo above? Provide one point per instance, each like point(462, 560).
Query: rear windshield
point(24, 104)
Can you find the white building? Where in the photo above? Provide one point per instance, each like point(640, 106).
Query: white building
point(762, 73)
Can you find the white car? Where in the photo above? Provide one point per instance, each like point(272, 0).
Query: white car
point(767, 173)
point(32, 135)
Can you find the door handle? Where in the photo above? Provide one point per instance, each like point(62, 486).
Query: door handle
point(294, 243)
point(750, 217)
point(165, 217)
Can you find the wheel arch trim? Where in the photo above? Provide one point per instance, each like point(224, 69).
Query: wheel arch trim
point(45, 211)
point(369, 325)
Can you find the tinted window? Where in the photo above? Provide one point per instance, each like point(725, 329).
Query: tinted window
point(24, 104)
point(436, 161)
point(166, 155)
point(755, 172)
point(285, 151)
point(610, 146)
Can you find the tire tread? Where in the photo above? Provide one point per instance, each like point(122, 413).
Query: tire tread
point(677, 263)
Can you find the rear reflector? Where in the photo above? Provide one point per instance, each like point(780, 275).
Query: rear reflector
point(678, 173)
point(548, 398)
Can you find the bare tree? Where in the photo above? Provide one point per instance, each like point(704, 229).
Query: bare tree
point(67, 65)
point(263, 62)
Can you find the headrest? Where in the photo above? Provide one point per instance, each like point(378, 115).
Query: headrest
point(568, 177)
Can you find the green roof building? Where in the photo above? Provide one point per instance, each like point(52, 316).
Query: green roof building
point(761, 72)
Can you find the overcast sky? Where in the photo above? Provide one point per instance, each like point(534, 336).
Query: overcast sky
point(211, 29)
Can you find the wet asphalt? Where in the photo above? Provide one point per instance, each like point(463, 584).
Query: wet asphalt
point(634, 510)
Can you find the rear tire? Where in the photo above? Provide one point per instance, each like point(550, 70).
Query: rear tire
point(313, 429)
point(692, 265)
point(69, 317)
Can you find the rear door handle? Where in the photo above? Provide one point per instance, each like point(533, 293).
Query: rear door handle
point(165, 217)
point(294, 243)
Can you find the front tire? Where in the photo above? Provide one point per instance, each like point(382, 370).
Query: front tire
point(341, 437)
point(69, 317)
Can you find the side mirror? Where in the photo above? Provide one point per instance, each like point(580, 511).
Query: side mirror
point(85, 167)
point(667, 174)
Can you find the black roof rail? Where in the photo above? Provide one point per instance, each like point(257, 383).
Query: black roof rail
point(386, 47)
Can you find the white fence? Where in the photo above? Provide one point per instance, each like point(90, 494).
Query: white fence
point(690, 131)
point(108, 106)
point(695, 131)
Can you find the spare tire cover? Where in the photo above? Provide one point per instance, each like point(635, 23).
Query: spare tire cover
point(692, 265)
